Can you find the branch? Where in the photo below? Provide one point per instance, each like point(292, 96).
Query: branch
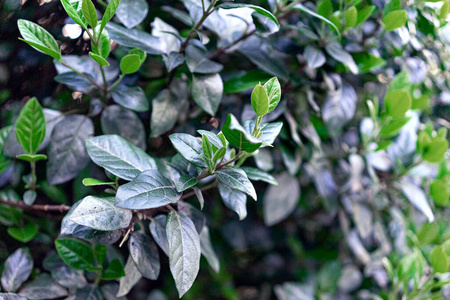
point(37, 207)
point(223, 49)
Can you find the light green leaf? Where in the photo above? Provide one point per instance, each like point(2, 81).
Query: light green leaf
point(260, 100)
point(325, 8)
point(364, 14)
point(207, 148)
point(397, 103)
point(74, 9)
point(39, 38)
point(440, 192)
point(31, 157)
point(130, 64)
point(237, 179)
point(435, 151)
point(109, 12)
point(184, 250)
point(76, 254)
point(439, 259)
point(99, 59)
point(119, 156)
point(103, 47)
point(131, 97)
point(95, 182)
point(30, 126)
point(207, 92)
point(89, 12)
point(101, 214)
point(351, 16)
point(189, 147)
point(395, 19)
point(24, 233)
point(148, 190)
point(273, 90)
point(238, 137)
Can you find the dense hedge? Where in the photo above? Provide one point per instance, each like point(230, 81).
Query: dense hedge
point(136, 135)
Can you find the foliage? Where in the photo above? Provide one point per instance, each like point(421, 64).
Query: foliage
point(333, 114)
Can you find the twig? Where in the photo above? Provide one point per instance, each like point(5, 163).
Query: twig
point(37, 207)
point(83, 75)
point(125, 238)
point(223, 49)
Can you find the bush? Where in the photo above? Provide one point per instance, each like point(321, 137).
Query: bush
point(164, 117)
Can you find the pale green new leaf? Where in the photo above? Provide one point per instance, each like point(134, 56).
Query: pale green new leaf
point(89, 12)
point(109, 12)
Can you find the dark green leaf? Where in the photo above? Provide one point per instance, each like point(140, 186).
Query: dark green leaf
point(245, 82)
point(234, 200)
point(303, 8)
point(258, 175)
point(134, 38)
point(114, 270)
point(185, 181)
point(100, 253)
point(30, 126)
point(208, 250)
point(158, 231)
point(189, 147)
point(76, 254)
point(238, 137)
point(207, 92)
point(131, 97)
point(145, 255)
point(43, 287)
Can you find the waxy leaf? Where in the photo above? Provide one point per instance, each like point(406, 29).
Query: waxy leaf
point(17, 269)
point(43, 287)
point(75, 253)
point(132, 12)
point(273, 90)
point(238, 137)
point(269, 131)
point(74, 9)
point(89, 12)
point(184, 250)
point(131, 97)
point(67, 154)
point(130, 64)
point(132, 276)
point(237, 179)
point(148, 190)
point(114, 270)
point(189, 147)
point(208, 250)
point(109, 12)
point(260, 100)
point(207, 92)
point(145, 255)
point(99, 59)
point(118, 156)
point(101, 214)
point(30, 126)
point(185, 181)
point(258, 175)
point(39, 38)
point(158, 231)
point(256, 8)
point(234, 200)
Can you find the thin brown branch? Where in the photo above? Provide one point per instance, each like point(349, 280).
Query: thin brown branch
point(37, 207)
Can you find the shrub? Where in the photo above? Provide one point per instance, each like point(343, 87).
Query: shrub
point(332, 114)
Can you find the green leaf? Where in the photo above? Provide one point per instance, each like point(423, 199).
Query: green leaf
point(189, 147)
point(24, 233)
point(76, 254)
point(148, 190)
point(351, 16)
point(184, 250)
point(397, 103)
point(100, 60)
point(145, 255)
point(207, 148)
point(101, 214)
point(258, 9)
point(132, 12)
point(303, 8)
point(445, 9)
point(325, 8)
point(103, 47)
point(131, 97)
point(245, 82)
point(435, 151)
point(364, 14)
point(269, 131)
point(260, 100)
point(130, 64)
point(32, 157)
point(207, 92)
point(440, 192)
point(158, 231)
point(439, 259)
point(367, 62)
point(114, 270)
point(393, 127)
point(118, 156)
point(401, 81)
point(109, 12)
point(393, 5)
point(165, 112)
point(95, 182)
point(234, 200)
point(258, 175)
point(142, 54)
point(237, 179)
point(213, 138)
point(39, 38)
point(238, 137)
point(74, 9)
point(89, 12)
point(100, 253)
point(273, 90)
point(395, 19)
point(185, 181)
point(30, 126)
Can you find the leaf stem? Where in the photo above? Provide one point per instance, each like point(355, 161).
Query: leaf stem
point(33, 175)
point(105, 84)
point(116, 82)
